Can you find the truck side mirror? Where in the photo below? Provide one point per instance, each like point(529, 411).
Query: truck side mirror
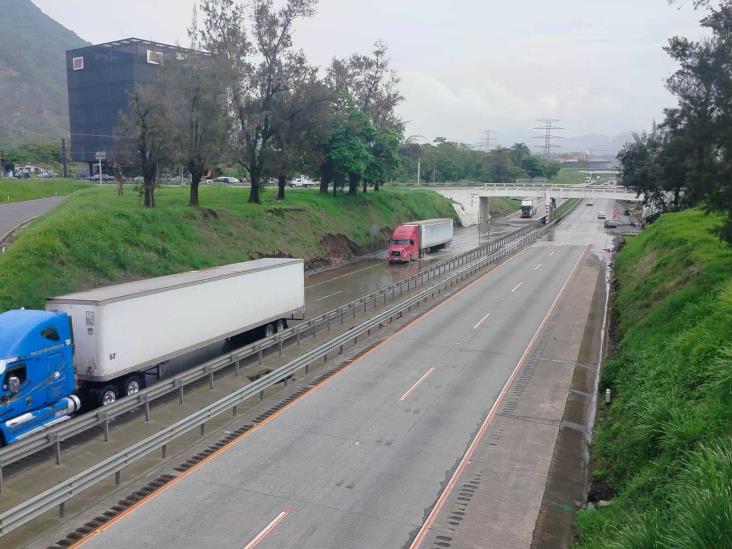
point(14, 384)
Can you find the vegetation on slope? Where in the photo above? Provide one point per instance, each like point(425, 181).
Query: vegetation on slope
point(33, 73)
point(16, 190)
point(663, 447)
point(94, 238)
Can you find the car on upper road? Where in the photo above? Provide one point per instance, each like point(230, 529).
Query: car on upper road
point(590, 203)
point(601, 215)
point(302, 181)
point(227, 180)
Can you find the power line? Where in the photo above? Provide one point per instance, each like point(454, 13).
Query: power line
point(549, 125)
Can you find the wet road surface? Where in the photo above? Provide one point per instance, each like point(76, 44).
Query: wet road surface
point(361, 460)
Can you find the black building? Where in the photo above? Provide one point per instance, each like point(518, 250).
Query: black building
point(100, 79)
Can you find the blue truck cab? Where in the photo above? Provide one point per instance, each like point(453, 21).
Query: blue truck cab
point(37, 379)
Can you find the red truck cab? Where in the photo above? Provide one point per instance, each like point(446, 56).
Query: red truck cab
point(404, 245)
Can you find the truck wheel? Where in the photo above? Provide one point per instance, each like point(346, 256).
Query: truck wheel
point(279, 326)
point(107, 395)
point(268, 330)
point(133, 385)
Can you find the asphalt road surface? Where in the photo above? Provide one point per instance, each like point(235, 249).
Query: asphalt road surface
point(360, 461)
point(18, 212)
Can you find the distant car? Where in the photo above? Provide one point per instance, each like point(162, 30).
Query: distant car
point(601, 215)
point(227, 180)
point(590, 203)
point(610, 224)
point(302, 181)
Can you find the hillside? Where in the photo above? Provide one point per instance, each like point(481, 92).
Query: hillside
point(33, 99)
point(94, 238)
point(662, 453)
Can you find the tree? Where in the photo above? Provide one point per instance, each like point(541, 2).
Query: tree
point(143, 129)
point(349, 153)
point(254, 86)
point(195, 114)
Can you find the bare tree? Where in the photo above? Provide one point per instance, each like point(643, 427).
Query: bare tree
point(143, 128)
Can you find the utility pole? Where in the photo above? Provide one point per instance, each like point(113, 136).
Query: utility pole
point(64, 160)
point(548, 126)
point(487, 139)
point(419, 168)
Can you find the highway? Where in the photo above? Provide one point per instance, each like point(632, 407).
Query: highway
point(361, 460)
point(16, 213)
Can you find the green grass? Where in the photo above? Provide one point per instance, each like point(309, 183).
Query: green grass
point(94, 238)
point(569, 176)
point(16, 190)
point(663, 446)
point(565, 207)
point(500, 206)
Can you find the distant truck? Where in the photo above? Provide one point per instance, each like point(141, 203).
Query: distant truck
point(413, 240)
point(528, 208)
point(99, 344)
point(302, 181)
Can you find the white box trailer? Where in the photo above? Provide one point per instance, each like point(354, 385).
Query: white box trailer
point(129, 328)
point(434, 232)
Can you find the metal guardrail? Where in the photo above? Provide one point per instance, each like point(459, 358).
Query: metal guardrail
point(53, 436)
point(62, 492)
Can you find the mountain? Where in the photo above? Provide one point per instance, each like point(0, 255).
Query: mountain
point(33, 100)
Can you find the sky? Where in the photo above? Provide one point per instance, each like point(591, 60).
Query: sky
point(468, 65)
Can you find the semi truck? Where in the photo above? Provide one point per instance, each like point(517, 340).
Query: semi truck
point(413, 240)
point(528, 208)
point(94, 346)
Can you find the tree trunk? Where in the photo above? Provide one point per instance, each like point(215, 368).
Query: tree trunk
point(149, 201)
point(376, 185)
point(195, 182)
point(254, 191)
point(365, 186)
point(352, 184)
point(281, 182)
point(325, 178)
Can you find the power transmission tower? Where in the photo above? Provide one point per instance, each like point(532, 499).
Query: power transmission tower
point(549, 126)
point(487, 139)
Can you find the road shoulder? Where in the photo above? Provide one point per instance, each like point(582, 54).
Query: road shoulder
point(501, 492)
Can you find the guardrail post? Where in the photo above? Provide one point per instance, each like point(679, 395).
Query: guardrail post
point(281, 345)
point(341, 311)
point(233, 411)
point(180, 391)
point(315, 329)
point(147, 408)
point(203, 429)
point(210, 379)
point(61, 507)
point(236, 368)
point(261, 395)
point(298, 336)
point(329, 323)
point(117, 477)
point(53, 437)
point(164, 450)
point(1, 480)
point(259, 354)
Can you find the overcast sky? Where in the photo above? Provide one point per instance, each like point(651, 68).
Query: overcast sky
point(468, 65)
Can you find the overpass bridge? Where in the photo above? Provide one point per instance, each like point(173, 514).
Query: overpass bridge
point(466, 200)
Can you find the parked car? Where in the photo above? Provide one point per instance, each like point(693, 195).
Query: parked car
point(610, 224)
point(302, 181)
point(227, 180)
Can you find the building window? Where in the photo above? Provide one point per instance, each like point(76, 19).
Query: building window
point(78, 63)
point(154, 57)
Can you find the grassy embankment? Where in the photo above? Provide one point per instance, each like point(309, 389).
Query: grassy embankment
point(569, 176)
point(16, 190)
point(663, 448)
point(94, 238)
